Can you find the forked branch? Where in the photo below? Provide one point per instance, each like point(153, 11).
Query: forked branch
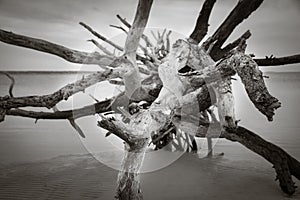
point(138, 26)
point(144, 37)
point(241, 11)
point(223, 51)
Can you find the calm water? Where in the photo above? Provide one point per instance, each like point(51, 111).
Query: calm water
point(22, 140)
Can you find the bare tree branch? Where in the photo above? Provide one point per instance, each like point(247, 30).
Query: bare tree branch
point(222, 52)
point(250, 75)
point(100, 107)
point(139, 57)
point(168, 41)
point(64, 93)
point(101, 37)
point(140, 46)
point(241, 11)
point(144, 37)
point(72, 122)
point(253, 81)
point(138, 26)
point(132, 78)
point(119, 129)
point(70, 55)
point(119, 27)
point(273, 61)
point(123, 20)
point(115, 82)
point(102, 48)
point(201, 27)
point(254, 84)
point(12, 84)
point(284, 164)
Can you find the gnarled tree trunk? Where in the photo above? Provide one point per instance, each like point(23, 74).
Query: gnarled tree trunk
point(179, 84)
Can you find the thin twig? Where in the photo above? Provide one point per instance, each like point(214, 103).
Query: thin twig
point(101, 37)
point(102, 48)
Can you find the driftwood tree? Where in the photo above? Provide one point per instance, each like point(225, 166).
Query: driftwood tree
point(163, 85)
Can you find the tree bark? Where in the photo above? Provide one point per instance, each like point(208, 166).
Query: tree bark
point(273, 61)
point(180, 89)
point(241, 11)
point(223, 51)
point(129, 176)
point(201, 27)
point(70, 55)
point(136, 141)
point(284, 164)
point(64, 93)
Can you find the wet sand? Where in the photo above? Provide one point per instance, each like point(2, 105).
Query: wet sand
point(83, 177)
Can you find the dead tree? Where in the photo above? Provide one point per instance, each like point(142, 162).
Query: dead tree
point(172, 80)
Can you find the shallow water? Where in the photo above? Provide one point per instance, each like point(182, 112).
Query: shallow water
point(22, 140)
point(239, 174)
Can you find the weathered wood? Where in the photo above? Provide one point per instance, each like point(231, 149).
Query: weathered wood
point(70, 55)
point(241, 11)
point(201, 27)
point(132, 78)
point(136, 135)
point(284, 164)
point(168, 46)
point(189, 82)
point(12, 83)
point(223, 51)
point(144, 37)
point(119, 129)
point(100, 107)
point(225, 103)
point(101, 37)
point(119, 27)
point(126, 32)
point(64, 93)
point(138, 26)
point(250, 75)
point(72, 123)
point(128, 178)
point(252, 78)
point(140, 123)
point(273, 61)
point(102, 48)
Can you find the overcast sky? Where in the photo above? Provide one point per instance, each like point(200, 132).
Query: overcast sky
point(275, 26)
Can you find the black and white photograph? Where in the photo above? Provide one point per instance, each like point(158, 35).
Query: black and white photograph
point(149, 99)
